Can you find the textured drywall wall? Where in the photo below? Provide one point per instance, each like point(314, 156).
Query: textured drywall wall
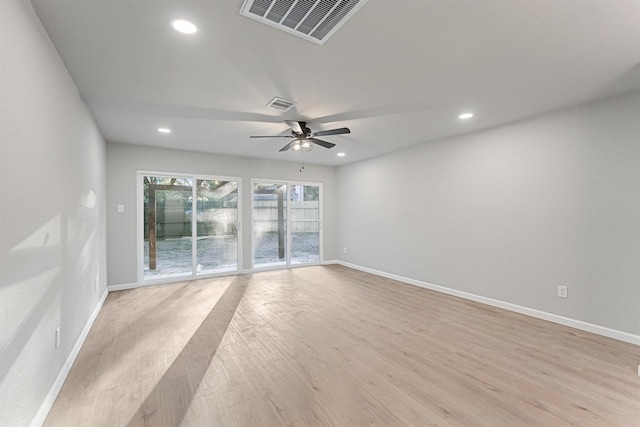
point(52, 219)
point(124, 160)
point(511, 212)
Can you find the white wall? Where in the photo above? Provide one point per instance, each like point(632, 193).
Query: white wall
point(52, 228)
point(124, 160)
point(512, 212)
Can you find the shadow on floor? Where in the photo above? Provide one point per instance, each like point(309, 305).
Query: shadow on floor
point(168, 402)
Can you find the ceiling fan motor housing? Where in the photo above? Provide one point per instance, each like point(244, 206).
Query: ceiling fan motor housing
point(305, 130)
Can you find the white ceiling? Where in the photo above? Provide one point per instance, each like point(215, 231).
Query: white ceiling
point(398, 73)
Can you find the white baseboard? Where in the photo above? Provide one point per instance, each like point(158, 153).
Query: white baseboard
point(50, 398)
point(122, 287)
point(566, 321)
point(134, 285)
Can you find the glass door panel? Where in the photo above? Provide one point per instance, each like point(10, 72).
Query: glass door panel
point(167, 227)
point(269, 224)
point(304, 226)
point(216, 226)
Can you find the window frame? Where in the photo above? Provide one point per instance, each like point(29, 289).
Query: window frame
point(140, 174)
point(288, 264)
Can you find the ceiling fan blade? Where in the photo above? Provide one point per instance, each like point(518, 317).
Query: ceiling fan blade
point(322, 143)
point(286, 147)
point(331, 132)
point(270, 136)
point(297, 127)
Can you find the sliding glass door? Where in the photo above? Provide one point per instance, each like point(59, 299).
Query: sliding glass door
point(305, 223)
point(216, 226)
point(269, 224)
point(189, 226)
point(167, 230)
point(286, 224)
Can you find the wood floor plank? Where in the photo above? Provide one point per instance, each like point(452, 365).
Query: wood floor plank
point(271, 398)
point(332, 346)
point(209, 410)
point(248, 413)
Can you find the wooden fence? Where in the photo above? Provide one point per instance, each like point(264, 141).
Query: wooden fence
point(305, 216)
point(174, 219)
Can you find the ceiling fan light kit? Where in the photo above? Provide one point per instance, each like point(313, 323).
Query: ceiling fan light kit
point(301, 146)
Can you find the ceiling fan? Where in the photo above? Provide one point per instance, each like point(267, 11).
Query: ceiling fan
point(302, 137)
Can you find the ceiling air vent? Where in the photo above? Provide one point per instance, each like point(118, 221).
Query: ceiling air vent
point(313, 20)
point(280, 104)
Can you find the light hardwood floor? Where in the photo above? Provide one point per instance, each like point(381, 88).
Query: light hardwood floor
point(331, 346)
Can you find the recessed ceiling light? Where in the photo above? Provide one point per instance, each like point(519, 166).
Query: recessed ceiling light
point(341, 154)
point(183, 26)
point(465, 116)
point(164, 130)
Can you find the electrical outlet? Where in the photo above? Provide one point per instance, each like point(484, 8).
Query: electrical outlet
point(58, 337)
point(345, 250)
point(562, 292)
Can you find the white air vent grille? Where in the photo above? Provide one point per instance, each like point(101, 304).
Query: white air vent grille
point(314, 20)
point(280, 104)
